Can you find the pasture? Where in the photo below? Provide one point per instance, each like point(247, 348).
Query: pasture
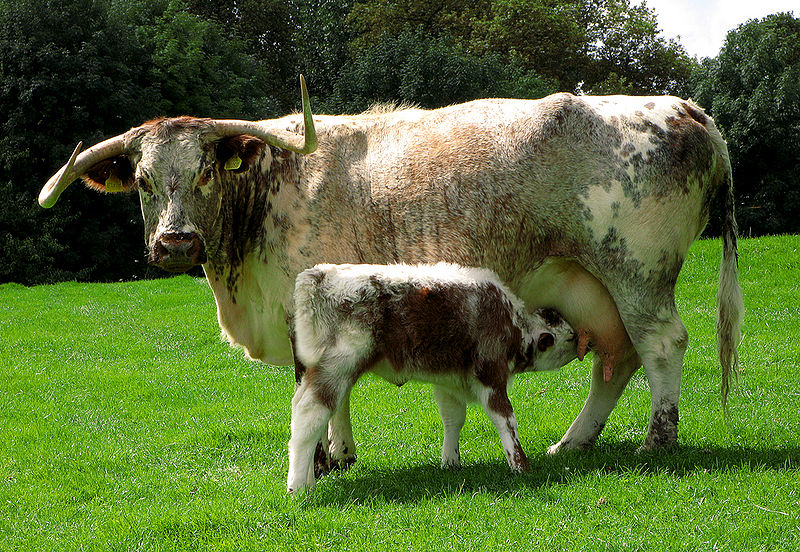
point(126, 423)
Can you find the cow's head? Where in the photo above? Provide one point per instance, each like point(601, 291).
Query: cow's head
point(176, 165)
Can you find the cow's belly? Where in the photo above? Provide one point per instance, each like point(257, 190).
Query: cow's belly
point(584, 302)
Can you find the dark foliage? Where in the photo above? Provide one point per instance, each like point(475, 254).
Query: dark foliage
point(86, 70)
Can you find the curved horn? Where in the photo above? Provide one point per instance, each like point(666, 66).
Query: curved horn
point(78, 165)
point(279, 138)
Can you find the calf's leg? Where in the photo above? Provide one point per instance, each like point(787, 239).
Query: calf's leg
point(321, 455)
point(498, 407)
point(453, 411)
point(310, 416)
point(341, 445)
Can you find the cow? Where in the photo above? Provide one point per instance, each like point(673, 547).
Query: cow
point(456, 327)
point(584, 204)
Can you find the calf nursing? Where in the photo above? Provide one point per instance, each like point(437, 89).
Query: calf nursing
point(455, 327)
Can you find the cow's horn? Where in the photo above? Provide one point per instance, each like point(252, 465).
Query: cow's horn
point(276, 137)
point(78, 165)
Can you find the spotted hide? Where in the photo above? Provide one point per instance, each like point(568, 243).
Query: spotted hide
point(584, 204)
point(455, 327)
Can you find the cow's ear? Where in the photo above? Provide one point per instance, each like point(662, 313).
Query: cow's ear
point(237, 153)
point(111, 175)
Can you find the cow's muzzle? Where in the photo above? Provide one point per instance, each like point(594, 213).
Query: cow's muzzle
point(177, 251)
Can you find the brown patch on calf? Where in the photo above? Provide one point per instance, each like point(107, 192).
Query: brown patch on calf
point(518, 456)
point(323, 390)
point(494, 319)
point(499, 401)
point(411, 330)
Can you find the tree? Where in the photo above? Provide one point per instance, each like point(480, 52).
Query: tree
point(373, 20)
point(628, 55)
point(417, 68)
point(753, 91)
point(63, 81)
point(598, 46)
point(322, 41)
point(263, 31)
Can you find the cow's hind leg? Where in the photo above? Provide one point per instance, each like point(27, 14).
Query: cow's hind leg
point(498, 407)
point(602, 399)
point(453, 411)
point(661, 343)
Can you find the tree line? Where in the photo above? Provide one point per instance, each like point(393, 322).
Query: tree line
point(89, 69)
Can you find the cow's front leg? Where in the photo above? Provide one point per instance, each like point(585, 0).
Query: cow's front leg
point(453, 412)
point(602, 399)
point(341, 445)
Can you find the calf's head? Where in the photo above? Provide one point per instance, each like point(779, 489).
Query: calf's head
point(554, 342)
point(179, 168)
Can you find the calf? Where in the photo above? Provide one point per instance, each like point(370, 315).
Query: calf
point(457, 328)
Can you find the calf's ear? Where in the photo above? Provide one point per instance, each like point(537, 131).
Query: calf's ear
point(546, 340)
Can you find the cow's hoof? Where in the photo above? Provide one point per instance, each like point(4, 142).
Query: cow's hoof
point(564, 446)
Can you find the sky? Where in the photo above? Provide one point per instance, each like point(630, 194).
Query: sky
point(703, 24)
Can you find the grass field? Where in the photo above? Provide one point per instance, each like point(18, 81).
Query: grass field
point(126, 424)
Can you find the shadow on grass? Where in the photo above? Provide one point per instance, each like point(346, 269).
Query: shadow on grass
point(414, 483)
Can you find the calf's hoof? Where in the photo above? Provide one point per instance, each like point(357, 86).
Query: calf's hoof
point(341, 464)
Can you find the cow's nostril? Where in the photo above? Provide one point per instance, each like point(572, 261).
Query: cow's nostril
point(178, 251)
point(177, 238)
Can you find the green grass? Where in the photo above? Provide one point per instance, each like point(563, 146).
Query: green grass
point(127, 424)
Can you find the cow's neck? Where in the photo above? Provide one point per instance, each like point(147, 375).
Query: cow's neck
point(248, 271)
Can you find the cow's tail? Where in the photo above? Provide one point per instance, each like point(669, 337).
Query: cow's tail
point(730, 307)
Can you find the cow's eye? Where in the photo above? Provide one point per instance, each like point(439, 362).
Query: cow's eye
point(208, 174)
point(144, 185)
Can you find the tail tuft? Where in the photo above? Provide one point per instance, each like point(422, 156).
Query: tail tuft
point(730, 306)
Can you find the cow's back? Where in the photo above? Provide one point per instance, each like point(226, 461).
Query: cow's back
point(507, 183)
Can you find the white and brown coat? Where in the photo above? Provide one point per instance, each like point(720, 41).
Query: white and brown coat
point(458, 328)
